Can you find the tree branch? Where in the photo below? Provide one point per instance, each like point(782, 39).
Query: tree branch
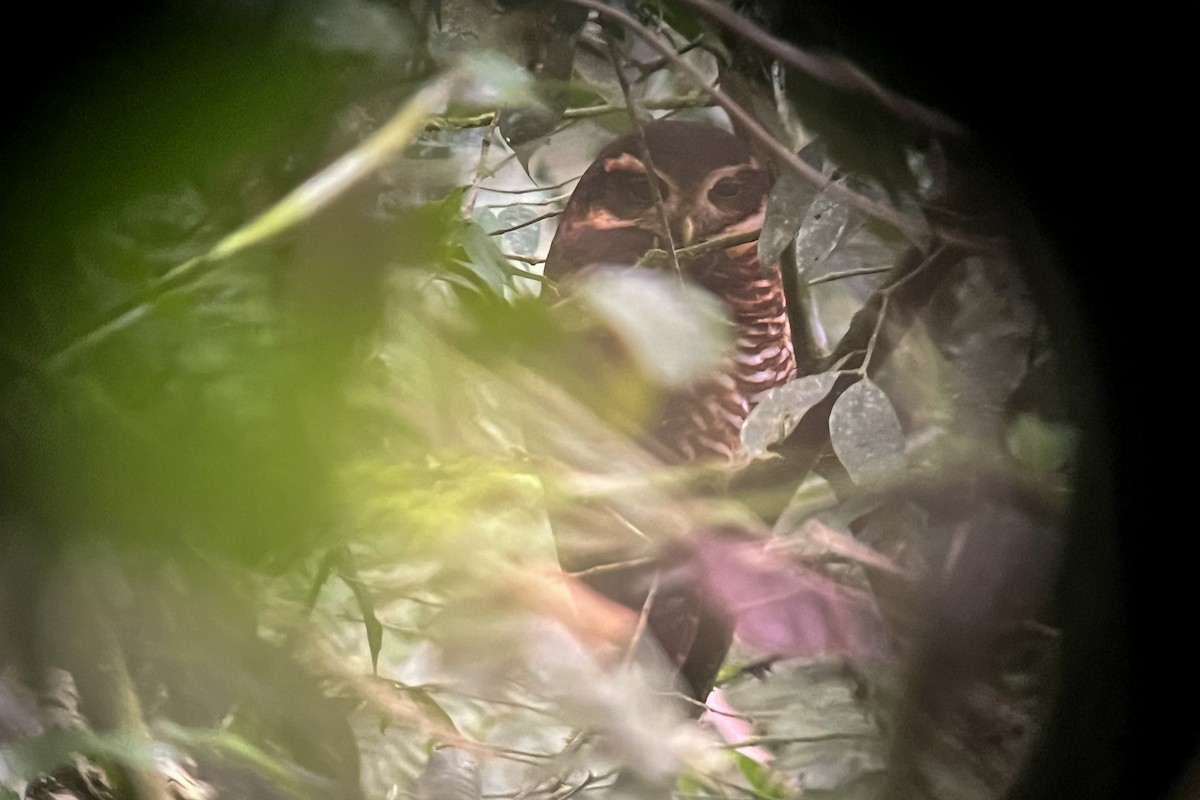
point(831, 71)
point(916, 230)
point(691, 100)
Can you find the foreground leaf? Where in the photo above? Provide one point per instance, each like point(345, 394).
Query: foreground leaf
point(677, 332)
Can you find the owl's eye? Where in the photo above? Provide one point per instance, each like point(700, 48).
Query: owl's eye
point(635, 191)
point(629, 194)
point(726, 189)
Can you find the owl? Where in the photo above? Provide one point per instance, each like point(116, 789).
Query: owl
point(709, 186)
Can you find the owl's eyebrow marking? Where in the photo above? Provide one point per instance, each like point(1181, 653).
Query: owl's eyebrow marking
point(629, 163)
point(626, 162)
point(729, 172)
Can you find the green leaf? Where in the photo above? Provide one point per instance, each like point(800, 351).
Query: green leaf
point(781, 409)
point(760, 777)
point(866, 434)
point(484, 259)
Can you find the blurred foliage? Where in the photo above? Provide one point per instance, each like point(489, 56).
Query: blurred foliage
point(283, 422)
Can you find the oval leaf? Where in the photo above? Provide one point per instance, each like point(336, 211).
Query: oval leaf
point(484, 259)
point(790, 197)
point(781, 409)
point(787, 205)
point(824, 227)
point(866, 434)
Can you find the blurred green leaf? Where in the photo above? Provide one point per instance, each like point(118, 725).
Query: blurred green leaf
point(237, 751)
point(42, 755)
point(1041, 445)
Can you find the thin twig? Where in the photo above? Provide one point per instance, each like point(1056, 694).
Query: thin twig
point(647, 160)
point(524, 260)
point(689, 700)
point(438, 688)
point(612, 566)
point(652, 257)
point(532, 189)
point(643, 618)
point(562, 198)
point(524, 224)
point(758, 741)
point(847, 273)
point(648, 67)
point(691, 100)
point(885, 295)
point(833, 72)
point(866, 362)
point(481, 171)
point(915, 229)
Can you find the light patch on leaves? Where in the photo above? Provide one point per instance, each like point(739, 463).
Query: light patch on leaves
point(866, 434)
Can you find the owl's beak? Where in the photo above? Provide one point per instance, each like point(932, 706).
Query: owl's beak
point(687, 232)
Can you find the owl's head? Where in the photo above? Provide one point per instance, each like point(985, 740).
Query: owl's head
point(709, 182)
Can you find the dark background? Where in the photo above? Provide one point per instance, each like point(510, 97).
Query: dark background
point(1033, 90)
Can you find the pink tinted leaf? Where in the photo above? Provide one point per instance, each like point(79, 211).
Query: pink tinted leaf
point(785, 609)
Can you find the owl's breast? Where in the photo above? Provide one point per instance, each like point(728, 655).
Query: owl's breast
point(705, 421)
